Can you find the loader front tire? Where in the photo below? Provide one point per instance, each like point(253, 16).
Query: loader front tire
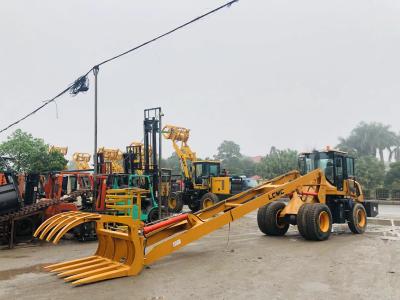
point(175, 202)
point(319, 222)
point(357, 219)
point(208, 200)
point(194, 205)
point(302, 220)
point(268, 219)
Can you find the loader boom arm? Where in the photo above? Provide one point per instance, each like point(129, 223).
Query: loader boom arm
point(183, 151)
point(172, 238)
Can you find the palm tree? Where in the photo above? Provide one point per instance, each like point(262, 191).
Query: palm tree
point(370, 138)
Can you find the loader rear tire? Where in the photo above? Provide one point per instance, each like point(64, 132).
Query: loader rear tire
point(357, 220)
point(302, 220)
point(319, 222)
point(175, 202)
point(208, 200)
point(268, 219)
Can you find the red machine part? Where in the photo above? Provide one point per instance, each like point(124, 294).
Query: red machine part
point(165, 223)
point(2, 179)
point(101, 192)
point(59, 208)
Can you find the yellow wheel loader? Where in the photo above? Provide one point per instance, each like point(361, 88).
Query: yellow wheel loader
point(315, 202)
point(204, 182)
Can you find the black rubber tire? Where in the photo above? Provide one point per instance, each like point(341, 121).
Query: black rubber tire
point(356, 224)
point(209, 198)
point(178, 202)
point(267, 219)
point(194, 205)
point(313, 217)
point(302, 220)
point(153, 215)
point(24, 229)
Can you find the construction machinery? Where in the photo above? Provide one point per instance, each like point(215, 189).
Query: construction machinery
point(204, 182)
point(21, 207)
point(114, 157)
point(28, 199)
point(315, 202)
point(120, 197)
point(137, 148)
point(62, 150)
point(72, 185)
point(141, 170)
point(81, 160)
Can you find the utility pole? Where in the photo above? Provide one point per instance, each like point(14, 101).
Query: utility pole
point(160, 115)
point(95, 72)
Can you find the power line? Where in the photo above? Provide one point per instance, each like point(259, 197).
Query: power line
point(82, 83)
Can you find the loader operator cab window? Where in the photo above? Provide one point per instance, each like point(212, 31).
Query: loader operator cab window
point(350, 167)
point(317, 160)
point(336, 166)
point(205, 170)
point(325, 163)
point(339, 172)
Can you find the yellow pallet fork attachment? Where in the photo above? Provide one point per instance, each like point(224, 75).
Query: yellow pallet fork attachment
point(119, 252)
point(126, 252)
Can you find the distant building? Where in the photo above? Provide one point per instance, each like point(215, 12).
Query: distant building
point(256, 159)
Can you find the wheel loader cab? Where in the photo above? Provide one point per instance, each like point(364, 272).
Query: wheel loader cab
point(204, 170)
point(336, 165)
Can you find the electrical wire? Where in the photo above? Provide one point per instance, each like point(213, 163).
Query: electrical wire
point(82, 83)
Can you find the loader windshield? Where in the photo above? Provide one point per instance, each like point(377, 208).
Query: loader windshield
point(207, 169)
point(317, 160)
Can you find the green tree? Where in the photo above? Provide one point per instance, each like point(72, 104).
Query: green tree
point(394, 152)
point(172, 163)
point(31, 154)
point(233, 161)
point(370, 172)
point(277, 162)
point(228, 150)
point(392, 178)
point(369, 139)
point(248, 167)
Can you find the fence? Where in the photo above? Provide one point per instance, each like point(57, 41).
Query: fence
point(382, 194)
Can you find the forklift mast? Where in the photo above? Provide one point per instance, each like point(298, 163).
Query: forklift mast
point(152, 145)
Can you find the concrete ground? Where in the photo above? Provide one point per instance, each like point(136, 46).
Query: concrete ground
point(235, 263)
point(389, 211)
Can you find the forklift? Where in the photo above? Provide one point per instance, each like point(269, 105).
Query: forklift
point(141, 172)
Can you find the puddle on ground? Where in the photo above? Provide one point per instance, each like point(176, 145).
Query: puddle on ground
point(13, 256)
point(10, 274)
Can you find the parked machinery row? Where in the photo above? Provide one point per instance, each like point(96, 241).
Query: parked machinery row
point(324, 192)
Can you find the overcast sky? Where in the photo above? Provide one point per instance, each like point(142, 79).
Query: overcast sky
point(290, 74)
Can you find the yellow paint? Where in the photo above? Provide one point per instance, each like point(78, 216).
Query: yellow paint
point(220, 185)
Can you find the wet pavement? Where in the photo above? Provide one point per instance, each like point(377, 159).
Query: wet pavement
point(231, 263)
